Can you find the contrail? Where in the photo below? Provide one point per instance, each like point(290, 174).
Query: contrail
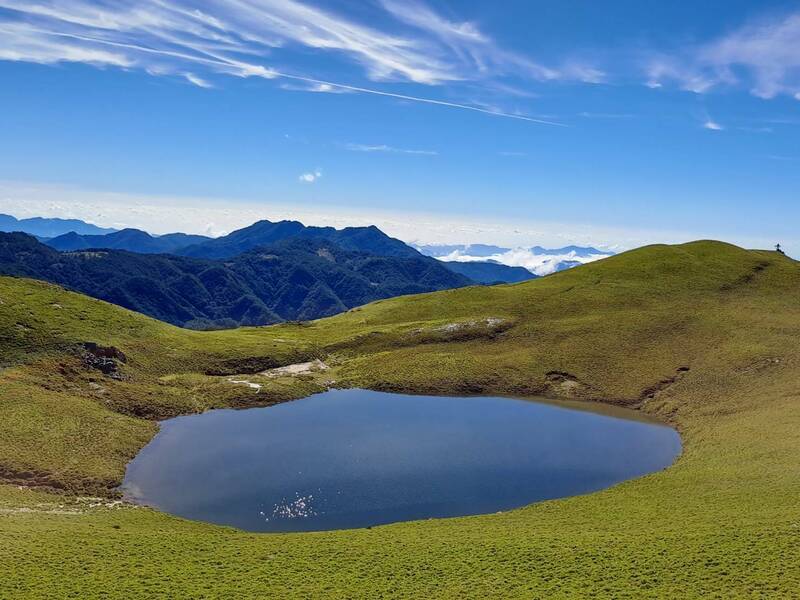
point(416, 99)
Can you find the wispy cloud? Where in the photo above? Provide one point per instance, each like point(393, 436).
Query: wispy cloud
point(712, 125)
point(19, 42)
point(751, 129)
point(388, 149)
point(310, 177)
point(465, 40)
point(762, 55)
point(246, 38)
point(318, 88)
point(602, 115)
point(782, 120)
point(489, 111)
point(198, 81)
point(475, 48)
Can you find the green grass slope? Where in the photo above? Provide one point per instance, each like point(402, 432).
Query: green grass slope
point(704, 335)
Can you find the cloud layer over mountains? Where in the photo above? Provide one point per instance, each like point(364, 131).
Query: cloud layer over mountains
point(538, 260)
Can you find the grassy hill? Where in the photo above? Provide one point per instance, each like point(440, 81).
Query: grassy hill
point(704, 335)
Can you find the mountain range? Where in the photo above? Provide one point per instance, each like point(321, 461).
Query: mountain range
point(354, 239)
point(48, 228)
point(488, 263)
point(294, 279)
point(265, 273)
point(134, 240)
point(358, 239)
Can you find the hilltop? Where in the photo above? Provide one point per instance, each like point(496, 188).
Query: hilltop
point(704, 335)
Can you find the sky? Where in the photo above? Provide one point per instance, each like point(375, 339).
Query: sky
point(521, 122)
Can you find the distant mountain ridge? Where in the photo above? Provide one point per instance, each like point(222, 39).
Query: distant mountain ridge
point(133, 240)
point(489, 272)
point(290, 280)
point(357, 239)
point(48, 228)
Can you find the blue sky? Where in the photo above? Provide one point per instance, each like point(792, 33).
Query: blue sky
point(614, 123)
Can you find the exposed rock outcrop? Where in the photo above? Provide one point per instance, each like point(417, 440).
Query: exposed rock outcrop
point(106, 359)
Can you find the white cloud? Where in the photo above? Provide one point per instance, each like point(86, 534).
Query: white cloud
point(310, 177)
point(235, 37)
point(388, 149)
point(599, 115)
point(690, 80)
point(579, 71)
point(762, 55)
point(465, 39)
point(19, 43)
point(198, 81)
point(318, 88)
point(712, 125)
point(537, 263)
point(384, 56)
point(478, 50)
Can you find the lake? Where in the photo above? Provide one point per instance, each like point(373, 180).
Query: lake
point(357, 458)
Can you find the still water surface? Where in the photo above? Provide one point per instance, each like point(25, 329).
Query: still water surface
point(356, 458)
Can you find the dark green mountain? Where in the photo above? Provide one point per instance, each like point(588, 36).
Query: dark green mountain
point(263, 233)
point(134, 240)
point(358, 239)
point(290, 280)
point(355, 239)
point(490, 272)
point(368, 239)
